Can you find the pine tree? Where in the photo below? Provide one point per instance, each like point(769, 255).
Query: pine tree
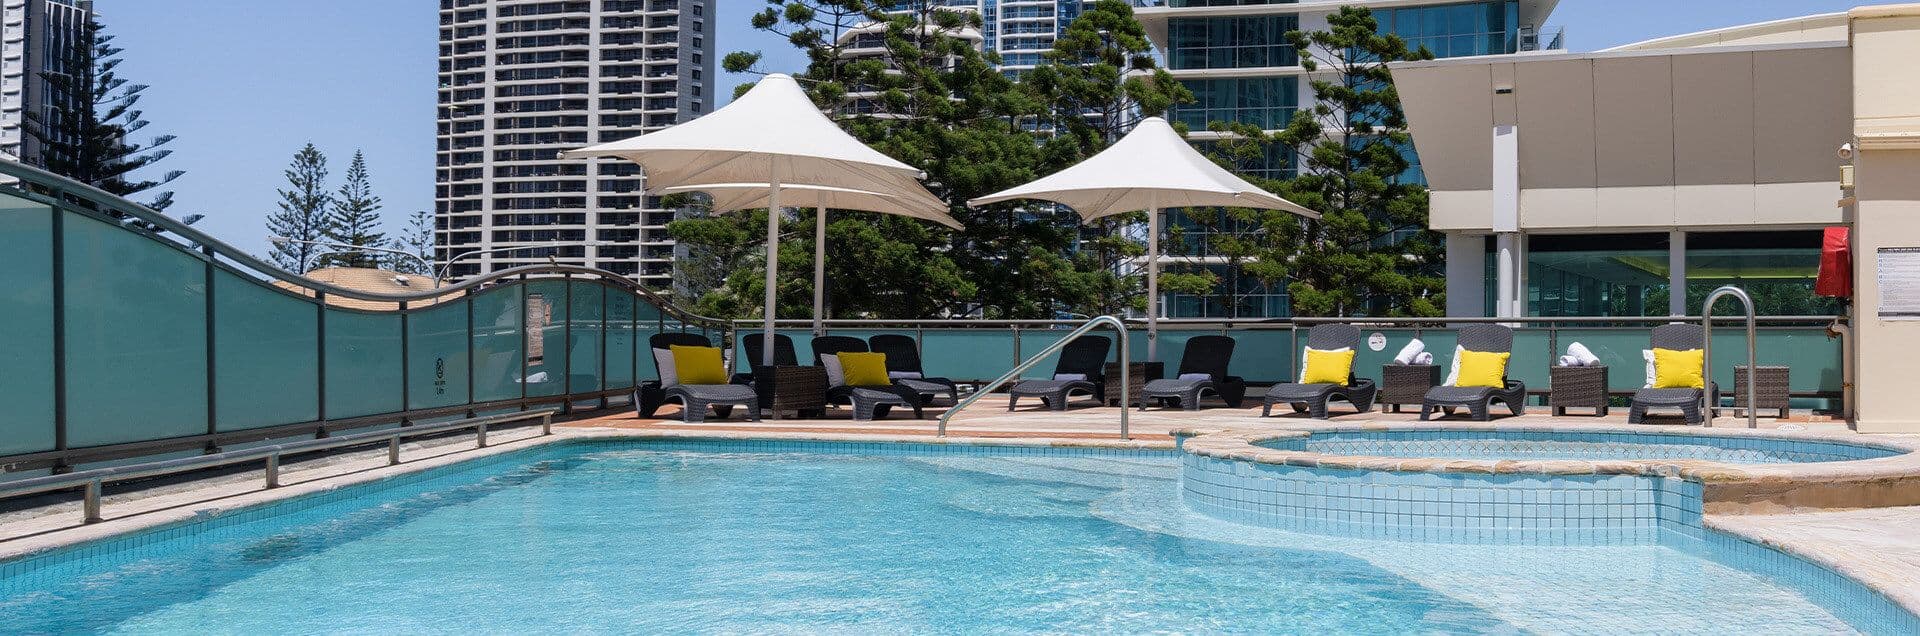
point(303, 211)
point(417, 241)
point(354, 219)
point(84, 134)
point(1370, 252)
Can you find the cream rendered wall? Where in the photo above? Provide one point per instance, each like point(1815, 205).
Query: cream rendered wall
point(1886, 43)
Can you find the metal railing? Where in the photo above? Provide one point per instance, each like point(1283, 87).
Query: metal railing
point(1706, 350)
point(1126, 363)
point(93, 481)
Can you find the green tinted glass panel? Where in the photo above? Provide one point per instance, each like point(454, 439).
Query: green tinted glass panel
point(620, 339)
point(266, 348)
point(26, 229)
point(437, 355)
point(363, 363)
point(547, 322)
point(136, 346)
point(1617, 348)
point(583, 351)
point(967, 354)
point(497, 344)
point(1262, 355)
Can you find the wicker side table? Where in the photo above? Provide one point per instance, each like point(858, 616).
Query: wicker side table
point(1137, 376)
point(1772, 388)
point(1577, 387)
point(784, 388)
point(1406, 384)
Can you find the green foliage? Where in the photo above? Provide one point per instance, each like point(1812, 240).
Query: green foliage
point(354, 219)
point(1370, 253)
point(85, 135)
point(303, 211)
point(417, 241)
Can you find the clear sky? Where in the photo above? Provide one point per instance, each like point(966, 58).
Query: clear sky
point(244, 83)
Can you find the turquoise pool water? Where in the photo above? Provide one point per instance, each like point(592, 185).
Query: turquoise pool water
point(627, 538)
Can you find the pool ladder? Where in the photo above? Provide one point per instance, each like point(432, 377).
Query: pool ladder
point(1706, 351)
point(1126, 359)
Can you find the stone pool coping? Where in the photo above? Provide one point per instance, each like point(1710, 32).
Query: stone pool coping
point(1728, 488)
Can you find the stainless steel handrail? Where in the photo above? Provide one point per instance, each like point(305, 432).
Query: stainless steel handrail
point(1706, 352)
point(94, 480)
point(1126, 360)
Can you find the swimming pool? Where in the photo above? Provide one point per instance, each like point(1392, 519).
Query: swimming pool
point(808, 537)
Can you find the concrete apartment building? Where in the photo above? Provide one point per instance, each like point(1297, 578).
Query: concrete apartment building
point(522, 80)
point(35, 36)
point(1234, 56)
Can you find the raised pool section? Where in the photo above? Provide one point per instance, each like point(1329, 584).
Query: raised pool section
point(1493, 484)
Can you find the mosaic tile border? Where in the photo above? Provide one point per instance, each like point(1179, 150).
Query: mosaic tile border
point(1577, 444)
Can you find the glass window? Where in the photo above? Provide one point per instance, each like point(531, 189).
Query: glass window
point(1776, 268)
point(1455, 30)
point(1267, 102)
point(1236, 42)
point(1595, 275)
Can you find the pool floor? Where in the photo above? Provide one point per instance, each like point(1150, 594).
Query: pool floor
point(607, 538)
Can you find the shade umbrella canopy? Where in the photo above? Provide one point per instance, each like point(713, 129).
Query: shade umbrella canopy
point(1151, 169)
point(915, 202)
point(772, 133)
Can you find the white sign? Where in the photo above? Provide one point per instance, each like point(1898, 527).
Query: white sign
point(1899, 274)
point(1377, 341)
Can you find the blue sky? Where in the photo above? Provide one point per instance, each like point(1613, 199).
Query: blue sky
point(245, 83)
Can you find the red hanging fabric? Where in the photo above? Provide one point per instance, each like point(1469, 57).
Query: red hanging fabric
point(1836, 265)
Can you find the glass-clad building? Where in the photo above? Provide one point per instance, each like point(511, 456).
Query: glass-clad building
point(1235, 58)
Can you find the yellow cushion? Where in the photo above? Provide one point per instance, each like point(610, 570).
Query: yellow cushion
point(864, 369)
point(1327, 367)
point(1674, 369)
point(698, 365)
point(1483, 368)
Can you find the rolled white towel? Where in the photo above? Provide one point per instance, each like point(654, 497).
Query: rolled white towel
point(1580, 353)
point(1425, 357)
point(1410, 352)
point(1569, 361)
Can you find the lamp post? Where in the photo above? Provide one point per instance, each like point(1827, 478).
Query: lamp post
point(340, 248)
point(446, 269)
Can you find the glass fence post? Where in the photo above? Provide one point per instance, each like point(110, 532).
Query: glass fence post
point(406, 369)
point(60, 348)
point(212, 403)
point(320, 306)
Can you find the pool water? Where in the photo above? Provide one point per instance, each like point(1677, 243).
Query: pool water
point(634, 538)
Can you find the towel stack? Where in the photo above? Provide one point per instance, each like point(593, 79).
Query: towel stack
point(1414, 353)
point(1579, 356)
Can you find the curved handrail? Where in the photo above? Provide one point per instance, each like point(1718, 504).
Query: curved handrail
point(1706, 351)
point(1126, 360)
point(60, 186)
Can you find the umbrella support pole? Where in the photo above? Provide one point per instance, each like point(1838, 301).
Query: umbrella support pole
point(819, 270)
point(773, 260)
point(1153, 279)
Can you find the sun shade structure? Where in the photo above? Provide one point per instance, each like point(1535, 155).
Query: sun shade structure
point(1151, 169)
point(916, 203)
point(772, 135)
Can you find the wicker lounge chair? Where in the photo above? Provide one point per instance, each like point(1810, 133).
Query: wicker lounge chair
point(1312, 399)
point(1691, 402)
point(1479, 399)
point(783, 353)
point(868, 402)
point(1086, 356)
point(1207, 356)
point(903, 356)
point(694, 399)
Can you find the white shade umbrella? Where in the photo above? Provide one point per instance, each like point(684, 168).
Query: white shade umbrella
point(773, 135)
point(728, 197)
point(1151, 169)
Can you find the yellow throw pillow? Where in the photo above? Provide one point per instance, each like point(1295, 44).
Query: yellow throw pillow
point(1673, 369)
point(1328, 367)
point(1483, 368)
point(698, 365)
point(864, 369)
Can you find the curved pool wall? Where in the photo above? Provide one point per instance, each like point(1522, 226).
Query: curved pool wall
point(1576, 444)
point(1485, 484)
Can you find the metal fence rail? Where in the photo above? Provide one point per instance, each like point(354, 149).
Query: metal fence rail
point(93, 481)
